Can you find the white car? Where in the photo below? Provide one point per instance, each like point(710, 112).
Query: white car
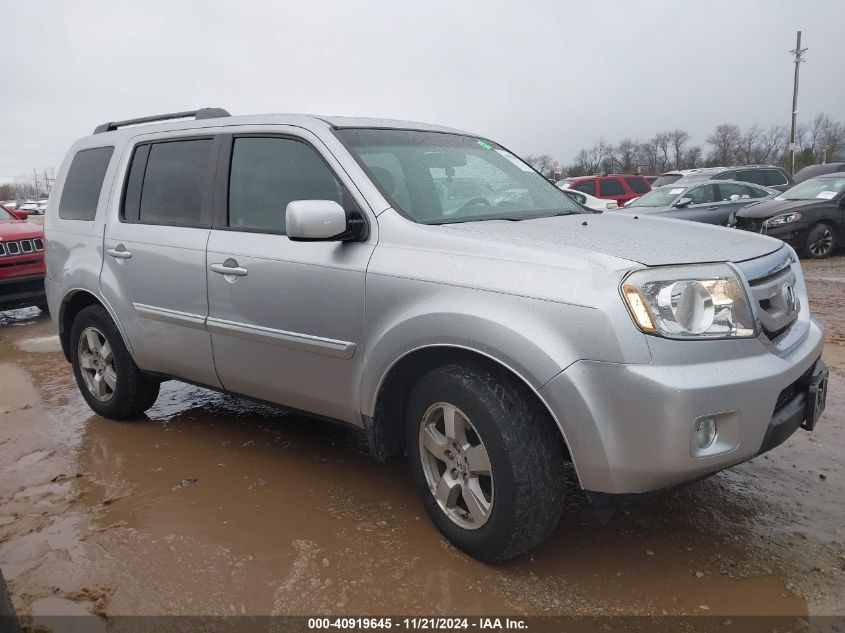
point(591, 202)
point(41, 208)
point(30, 206)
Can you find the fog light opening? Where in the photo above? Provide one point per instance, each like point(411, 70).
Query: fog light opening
point(705, 432)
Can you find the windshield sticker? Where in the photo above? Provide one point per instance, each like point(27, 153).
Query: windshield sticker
point(675, 192)
point(826, 195)
point(484, 145)
point(514, 160)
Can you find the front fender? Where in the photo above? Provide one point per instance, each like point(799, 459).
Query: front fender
point(535, 339)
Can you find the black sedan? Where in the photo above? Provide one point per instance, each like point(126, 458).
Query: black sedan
point(810, 217)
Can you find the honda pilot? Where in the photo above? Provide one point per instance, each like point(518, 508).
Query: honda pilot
point(429, 287)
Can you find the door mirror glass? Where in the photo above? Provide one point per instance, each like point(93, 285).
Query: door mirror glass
point(683, 202)
point(315, 220)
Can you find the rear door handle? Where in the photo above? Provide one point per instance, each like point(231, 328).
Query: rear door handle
point(119, 253)
point(229, 267)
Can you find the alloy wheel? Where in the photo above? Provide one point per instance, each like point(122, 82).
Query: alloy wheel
point(822, 243)
point(456, 465)
point(96, 364)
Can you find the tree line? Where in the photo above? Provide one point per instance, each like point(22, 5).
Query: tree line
point(820, 140)
point(32, 186)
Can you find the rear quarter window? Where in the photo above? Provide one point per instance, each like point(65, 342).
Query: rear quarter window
point(588, 187)
point(638, 185)
point(611, 187)
point(83, 183)
point(773, 177)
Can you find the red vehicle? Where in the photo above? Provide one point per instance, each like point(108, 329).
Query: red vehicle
point(619, 187)
point(21, 261)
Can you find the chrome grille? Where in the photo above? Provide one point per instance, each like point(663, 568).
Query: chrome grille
point(778, 303)
point(21, 247)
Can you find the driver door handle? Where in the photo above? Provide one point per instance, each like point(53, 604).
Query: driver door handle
point(119, 253)
point(228, 268)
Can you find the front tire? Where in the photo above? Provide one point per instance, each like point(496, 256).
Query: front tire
point(821, 240)
point(487, 460)
point(109, 380)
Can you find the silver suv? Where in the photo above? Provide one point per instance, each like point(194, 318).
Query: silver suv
point(428, 286)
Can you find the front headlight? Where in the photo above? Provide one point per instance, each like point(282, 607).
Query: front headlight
point(689, 302)
point(786, 218)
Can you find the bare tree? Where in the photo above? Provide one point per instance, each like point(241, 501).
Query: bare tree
point(679, 139)
point(724, 140)
point(692, 157)
point(626, 154)
point(542, 163)
point(747, 145)
point(832, 141)
point(771, 145)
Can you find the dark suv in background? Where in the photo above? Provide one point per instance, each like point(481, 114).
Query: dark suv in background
point(618, 187)
point(765, 175)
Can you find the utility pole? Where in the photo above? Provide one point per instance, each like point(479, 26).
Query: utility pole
point(798, 53)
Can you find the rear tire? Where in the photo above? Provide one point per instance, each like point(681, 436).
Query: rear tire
point(516, 505)
point(821, 241)
point(109, 380)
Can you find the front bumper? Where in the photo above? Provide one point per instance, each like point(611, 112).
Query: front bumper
point(20, 292)
point(794, 234)
point(630, 427)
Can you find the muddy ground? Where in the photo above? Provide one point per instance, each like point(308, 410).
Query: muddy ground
point(215, 505)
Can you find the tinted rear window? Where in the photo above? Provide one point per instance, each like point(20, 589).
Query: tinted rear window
point(751, 175)
point(773, 177)
point(175, 182)
point(666, 179)
point(588, 187)
point(638, 185)
point(83, 183)
point(611, 187)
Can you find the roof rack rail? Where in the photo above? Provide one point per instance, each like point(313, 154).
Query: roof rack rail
point(202, 113)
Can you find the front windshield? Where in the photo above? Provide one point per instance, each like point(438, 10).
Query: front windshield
point(815, 188)
point(5, 215)
point(660, 197)
point(436, 178)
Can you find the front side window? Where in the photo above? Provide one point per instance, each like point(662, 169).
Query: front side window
point(702, 195)
point(83, 183)
point(268, 173)
point(611, 187)
point(733, 191)
point(439, 178)
point(168, 183)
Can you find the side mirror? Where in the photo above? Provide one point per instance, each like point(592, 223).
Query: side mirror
point(20, 214)
point(683, 202)
point(317, 220)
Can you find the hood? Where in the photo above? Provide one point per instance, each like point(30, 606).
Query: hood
point(651, 241)
point(19, 229)
point(772, 207)
point(644, 210)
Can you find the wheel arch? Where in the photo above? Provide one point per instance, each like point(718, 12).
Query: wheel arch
point(72, 304)
point(384, 427)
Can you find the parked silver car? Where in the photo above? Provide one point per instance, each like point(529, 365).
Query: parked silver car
point(429, 287)
point(711, 201)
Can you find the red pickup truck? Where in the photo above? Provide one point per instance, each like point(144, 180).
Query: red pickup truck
point(21, 261)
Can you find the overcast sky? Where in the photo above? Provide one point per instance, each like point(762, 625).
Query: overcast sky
point(539, 77)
